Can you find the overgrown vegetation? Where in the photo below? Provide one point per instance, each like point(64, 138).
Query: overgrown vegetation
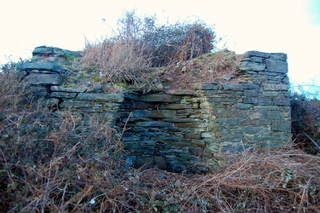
point(48, 165)
point(67, 161)
point(306, 122)
point(140, 45)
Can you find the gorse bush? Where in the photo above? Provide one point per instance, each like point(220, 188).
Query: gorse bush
point(141, 43)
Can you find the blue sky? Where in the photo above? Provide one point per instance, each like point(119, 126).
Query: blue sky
point(290, 26)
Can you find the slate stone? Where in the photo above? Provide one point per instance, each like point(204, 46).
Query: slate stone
point(278, 56)
point(256, 59)
point(242, 106)
point(45, 79)
point(75, 104)
point(147, 162)
point(211, 86)
point(160, 97)
point(181, 92)
point(276, 87)
point(40, 66)
point(281, 126)
point(197, 151)
point(253, 53)
point(63, 95)
point(67, 89)
point(251, 66)
point(223, 100)
point(100, 97)
point(177, 106)
point(154, 113)
point(95, 89)
point(161, 163)
point(154, 124)
point(254, 129)
point(253, 93)
point(273, 115)
point(43, 50)
point(228, 121)
point(255, 100)
point(276, 66)
point(281, 101)
point(270, 94)
point(230, 86)
point(53, 51)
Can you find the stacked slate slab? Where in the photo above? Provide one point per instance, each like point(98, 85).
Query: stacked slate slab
point(180, 130)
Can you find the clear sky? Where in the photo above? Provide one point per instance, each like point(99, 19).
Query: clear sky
point(289, 26)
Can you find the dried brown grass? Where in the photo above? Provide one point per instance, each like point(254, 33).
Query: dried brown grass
point(284, 180)
point(208, 68)
point(116, 61)
point(58, 163)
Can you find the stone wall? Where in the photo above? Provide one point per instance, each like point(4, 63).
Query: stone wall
point(182, 129)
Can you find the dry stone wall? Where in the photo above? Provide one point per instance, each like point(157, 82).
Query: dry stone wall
point(182, 129)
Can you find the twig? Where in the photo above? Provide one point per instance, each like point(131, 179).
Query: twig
point(312, 140)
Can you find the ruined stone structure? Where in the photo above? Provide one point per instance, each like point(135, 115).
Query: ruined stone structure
point(175, 129)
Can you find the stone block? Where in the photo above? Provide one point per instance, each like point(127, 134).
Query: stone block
point(177, 106)
point(242, 106)
point(223, 100)
point(256, 100)
point(154, 113)
point(75, 104)
point(253, 53)
point(281, 126)
point(181, 92)
point(251, 66)
point(197, 151)
point(273, 115)
point(63, 95)
point(100, 97)
point(160, 97)
point(45, 79)
point(160, 162)
point(278, 56)
point(249, 86)
point(131, 96)
point(147, 162)
point(207, 134)
point(211, 86)
point(154, 124)
point(181, 120)
point(276, 66)
point(231, 113)
point(192, 135)
point(200, 143)
point(281, 101)
point(270, 94)
point(51, 67)
point(250, 122)
point(67, 89)
point(253, 93)
point(205, 105)
point(227, 121)
point(266, 108)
